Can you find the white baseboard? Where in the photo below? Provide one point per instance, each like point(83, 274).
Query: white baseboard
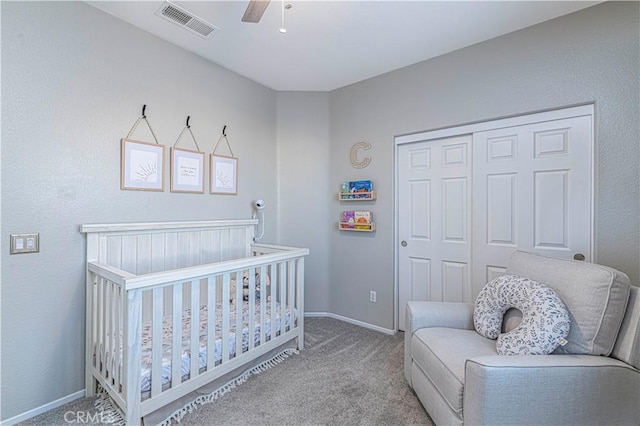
point(42, 409)
point(351, 321)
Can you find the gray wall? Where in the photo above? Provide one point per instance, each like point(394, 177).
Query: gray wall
point(303, 184)
point(588, 56)
point(73, 82)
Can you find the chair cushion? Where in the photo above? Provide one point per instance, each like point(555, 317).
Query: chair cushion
point(595, 296)
point(545, 320)
point(441, 353)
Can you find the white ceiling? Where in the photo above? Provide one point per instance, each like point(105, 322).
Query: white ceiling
point(331, 44)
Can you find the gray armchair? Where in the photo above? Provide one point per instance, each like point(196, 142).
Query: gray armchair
point(593, 380)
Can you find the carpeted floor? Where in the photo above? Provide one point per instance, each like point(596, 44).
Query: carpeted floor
point(346, 375)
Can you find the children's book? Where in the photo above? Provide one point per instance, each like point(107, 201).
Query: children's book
point(348, 219)
point(358, 187)
point(362, 219)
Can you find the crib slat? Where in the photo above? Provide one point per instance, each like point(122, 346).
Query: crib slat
point(237, 236)
point(183, 249)
point(157, 252)
point(300, 303)
point(170, 251)
point(239, 309)
point(113, 331)
point(225, 315)
point(215, 244)
point(176, 343)
point(156, 361)
point(194, 248)
point(275, 277)
point(290, 302)
point(118, 348)
point(92, 297)
point(143, 254)
point(211, 323)
point(283, 293)
point(129, 253)
point(101, 332)
point(205, 247)
point(252, 307)
point(263, 303)
point(132, 337)
point(195, 328)
point(97, 317)
point(107, 323)
point(107, 329)
point(114, 251)
point(225, 242)
point(248, 239)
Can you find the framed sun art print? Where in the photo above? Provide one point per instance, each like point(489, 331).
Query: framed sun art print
point(141, 166)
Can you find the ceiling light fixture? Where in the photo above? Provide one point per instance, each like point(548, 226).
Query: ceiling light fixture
point(282, 29)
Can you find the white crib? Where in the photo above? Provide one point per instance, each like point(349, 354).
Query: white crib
point(146, 278)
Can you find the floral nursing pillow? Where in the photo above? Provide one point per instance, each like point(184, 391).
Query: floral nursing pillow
point(545, 319)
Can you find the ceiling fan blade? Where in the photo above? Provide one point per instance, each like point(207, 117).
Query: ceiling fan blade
point(255, 10)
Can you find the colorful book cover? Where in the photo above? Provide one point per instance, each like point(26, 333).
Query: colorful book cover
point(362, 219)
point(359, 186)
point(348, 219)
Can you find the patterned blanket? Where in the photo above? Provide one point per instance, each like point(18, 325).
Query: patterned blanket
point(167, 336)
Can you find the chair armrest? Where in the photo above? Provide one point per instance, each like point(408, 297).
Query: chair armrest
point(438, 314)
point(550, 390)
point(433, 314)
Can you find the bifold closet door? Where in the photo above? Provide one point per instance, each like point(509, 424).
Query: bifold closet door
point(531, 191)
point(466, 203)
point(434, 208)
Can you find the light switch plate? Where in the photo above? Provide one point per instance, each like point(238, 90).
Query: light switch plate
point(25, 243)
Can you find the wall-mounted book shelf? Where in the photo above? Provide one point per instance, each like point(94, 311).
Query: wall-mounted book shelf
point(357, 196)
point(360, 220)
point(357, 220)
point(347, 226)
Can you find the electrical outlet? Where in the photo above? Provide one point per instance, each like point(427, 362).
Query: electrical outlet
point(372, 296)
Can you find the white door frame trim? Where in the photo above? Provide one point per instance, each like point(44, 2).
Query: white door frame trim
point(492, 124)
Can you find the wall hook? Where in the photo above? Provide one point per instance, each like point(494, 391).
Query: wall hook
point(224, 131)
point(144, 107)
point(188, 117)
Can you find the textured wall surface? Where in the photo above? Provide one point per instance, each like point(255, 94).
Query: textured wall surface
point(303, 187)
point(587, 56)
point(74, 80)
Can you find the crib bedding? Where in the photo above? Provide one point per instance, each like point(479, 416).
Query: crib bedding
point(167, 337)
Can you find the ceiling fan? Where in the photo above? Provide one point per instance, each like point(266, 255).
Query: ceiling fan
point(255, 10)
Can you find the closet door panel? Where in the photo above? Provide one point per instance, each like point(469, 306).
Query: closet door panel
point(532, 192)
point(434, 191)
point(466, 203)
point(501, 209)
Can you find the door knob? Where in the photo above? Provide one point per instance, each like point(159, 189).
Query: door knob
point(403, 243)
point(578, 256)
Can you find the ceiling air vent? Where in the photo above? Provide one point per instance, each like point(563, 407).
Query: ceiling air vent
point(186, 20)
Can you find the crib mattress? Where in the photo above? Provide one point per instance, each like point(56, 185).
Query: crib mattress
point(167, 337)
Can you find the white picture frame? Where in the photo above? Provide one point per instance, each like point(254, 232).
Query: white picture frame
point(223, 175)
point(141, 166)
point(187, 171)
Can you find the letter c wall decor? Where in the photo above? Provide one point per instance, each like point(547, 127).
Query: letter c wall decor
point(353, 156)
